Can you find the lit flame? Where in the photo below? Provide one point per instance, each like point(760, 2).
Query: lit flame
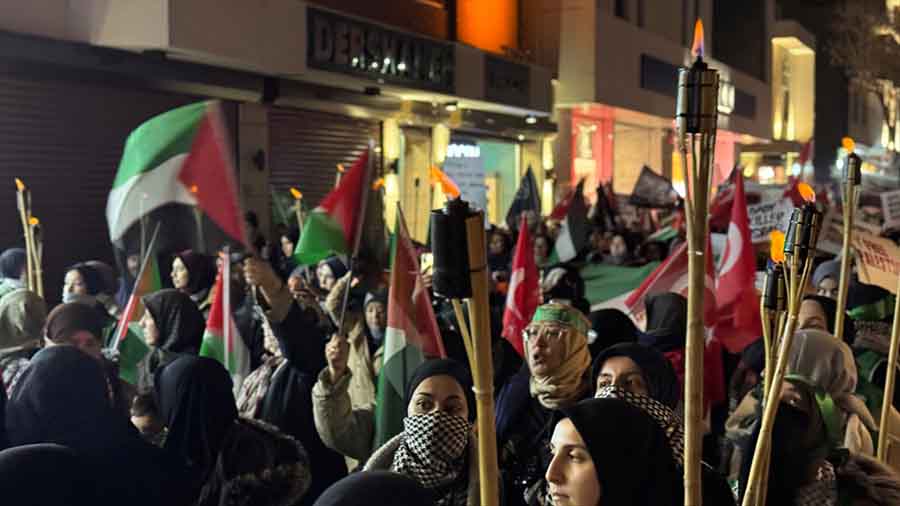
point(848, 144)
point(776, 237)
point(340, 168)
point(34, 221)
point(448, 186)
point(20, 185)
point(806, 192)
point(378, 184)
point(194, 189)
point(296, 193)
point(697, 47)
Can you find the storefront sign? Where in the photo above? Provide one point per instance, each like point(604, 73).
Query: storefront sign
point(466, 168)
point(341, 44)
point(768, 216)
point(877, 260)
point(507, 82)
point(890, 204)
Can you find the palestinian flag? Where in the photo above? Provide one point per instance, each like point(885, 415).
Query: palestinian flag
point(221, 340)
point(607, 286)
point(129, 339)
point(412, 334)
point(173, 163)
point(331, 228)
point(574, 233)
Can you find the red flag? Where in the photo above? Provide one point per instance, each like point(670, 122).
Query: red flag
point(209, 172)
point(672, 276)
point(738, 323)
point(524, 293)
point(561, 210)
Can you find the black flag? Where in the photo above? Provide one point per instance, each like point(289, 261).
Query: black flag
point(527, 199)
point(653, 190)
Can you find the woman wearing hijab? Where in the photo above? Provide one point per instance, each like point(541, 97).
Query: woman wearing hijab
point(23, 315)
point(328, 272)
point(12, 270)
point(644, 378)
point(871, 309)
point(194, 274)
point(819, 312)
point(283, 394)
point(557, 375)
point(26, 471)
point(230, 461)
point(808, 465)
point(84, 284)
point(606, 452)
point(826, 277)
point(610, 327)
point(288, 241)
point(63, 398)
point(437, 446)
point(172, 326)
point(358, 490)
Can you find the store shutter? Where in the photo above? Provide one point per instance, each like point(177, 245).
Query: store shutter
point(305, 148)
point(65, 140)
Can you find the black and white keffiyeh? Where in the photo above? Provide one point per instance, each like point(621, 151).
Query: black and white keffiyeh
point(821, 492)
point(433, 451)
point(662, 414)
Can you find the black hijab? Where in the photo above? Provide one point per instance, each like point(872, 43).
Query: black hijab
point(196, 402)
point(67, 319)
point(438, 367)
point(611, 326)
point(179, 321)
point(666, 321)
point(659, 375)
point(201, 271)
point(41, 475)
point(359, 489)
point(631, 454)
point(12, 262)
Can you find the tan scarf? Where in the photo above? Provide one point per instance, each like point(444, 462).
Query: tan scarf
point(256, 385)
point(569, 383)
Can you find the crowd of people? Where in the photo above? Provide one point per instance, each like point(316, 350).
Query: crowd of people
point(590, 415)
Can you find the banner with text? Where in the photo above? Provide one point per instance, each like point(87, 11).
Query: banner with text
point(877, 260)
point(890, 204)
point(768, 216)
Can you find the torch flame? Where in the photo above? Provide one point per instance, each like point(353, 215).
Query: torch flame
point(848, 144)
point(20, 185)
point(296, 193)
point(378, 184)
point(34, 221)
point(777, 251)
point(340, 168)
point(697, 47)
point(806, 192)
point(194, 189)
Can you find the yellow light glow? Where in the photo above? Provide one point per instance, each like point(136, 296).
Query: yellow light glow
point(697, 46)
point(806, 192)
point(296, 193)
point(34, 221)
point(848, 144)
point(776, 238)
point(20, 185)
point(378, 184)
point(194, 189)
point(340, 168)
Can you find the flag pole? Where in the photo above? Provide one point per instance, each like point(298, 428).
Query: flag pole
point(226, 304)
point(890, 382)
point(852, 180)
point(360, 221)
point(124, 320)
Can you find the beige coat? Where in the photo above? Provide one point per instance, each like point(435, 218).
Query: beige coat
point(360, 360)
point(347, 430)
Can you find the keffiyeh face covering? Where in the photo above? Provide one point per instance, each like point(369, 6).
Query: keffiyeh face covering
point(433, 448)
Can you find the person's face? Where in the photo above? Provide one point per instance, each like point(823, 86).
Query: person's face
point(74, 284)
point(544, 344)
point(287, 246)
point(571, 475)
point(151, 331)
point(828, 287)
point(295, 284)
point(87, 342)
point(812, 316)
point(792, 395)
point(180, 275)
point(541, 248)
point(133, 264)
point(147, 424)
point(376, 315)
point(623, 373)
point(598, 242)
point(326, 277)
point(237, 276)
point(617, 246)
point(497, 245)
point(439, 393)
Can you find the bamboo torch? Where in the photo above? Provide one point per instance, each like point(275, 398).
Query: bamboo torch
point(852, 180)
point(339, 174)
point(890, 382)
point(38, 247)
point(696, 118)
point(22, 204)
point(298, 202)
point(799, 249)
point(455, 228)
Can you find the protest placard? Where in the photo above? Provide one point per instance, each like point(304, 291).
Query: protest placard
point(890, 204)
point(768, 216)
point(877, 260)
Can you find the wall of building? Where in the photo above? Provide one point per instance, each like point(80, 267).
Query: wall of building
point(797, 88)
point(429, 18)
point(490, 25)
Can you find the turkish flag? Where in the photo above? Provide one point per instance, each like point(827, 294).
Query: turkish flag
point(738, 303)
point(524, 293)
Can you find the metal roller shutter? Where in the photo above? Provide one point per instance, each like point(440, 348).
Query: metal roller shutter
point(65, 139)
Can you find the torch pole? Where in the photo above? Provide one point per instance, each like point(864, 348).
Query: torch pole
point(852, 180)
point(483, 373)
point(29, 247)
point(890, 382)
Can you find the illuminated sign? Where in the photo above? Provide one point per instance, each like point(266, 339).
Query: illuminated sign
point(463, 151)
point(726, 97)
